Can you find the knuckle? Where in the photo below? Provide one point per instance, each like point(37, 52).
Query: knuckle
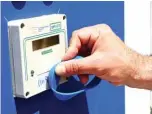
point(72, 68)
point(104, 29)
point(85, 28)
point(74, 32)
point(104, 26)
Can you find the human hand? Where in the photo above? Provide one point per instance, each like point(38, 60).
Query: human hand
point(105, 56)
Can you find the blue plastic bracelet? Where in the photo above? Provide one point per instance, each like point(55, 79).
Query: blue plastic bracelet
point(54, 83)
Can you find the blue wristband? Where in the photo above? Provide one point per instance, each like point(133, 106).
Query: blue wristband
point(53, 80)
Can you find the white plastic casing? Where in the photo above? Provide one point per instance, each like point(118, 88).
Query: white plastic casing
point(30, 67)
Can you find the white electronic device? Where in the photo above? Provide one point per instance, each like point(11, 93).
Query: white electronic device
point(36, 44)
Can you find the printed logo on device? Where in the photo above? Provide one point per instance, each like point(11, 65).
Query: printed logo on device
point(55, 26)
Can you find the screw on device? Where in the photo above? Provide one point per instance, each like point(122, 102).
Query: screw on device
point(32, 72)
point(22, 25)
point(27, 93)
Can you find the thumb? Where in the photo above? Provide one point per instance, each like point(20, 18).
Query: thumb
point(75, 66)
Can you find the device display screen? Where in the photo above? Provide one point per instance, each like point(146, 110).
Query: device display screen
point(45, 42)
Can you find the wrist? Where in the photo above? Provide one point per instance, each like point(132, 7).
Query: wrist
point(145, 72)
point(140, 67)
point(142, 75)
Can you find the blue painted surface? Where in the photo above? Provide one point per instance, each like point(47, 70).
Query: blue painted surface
point(104, 99)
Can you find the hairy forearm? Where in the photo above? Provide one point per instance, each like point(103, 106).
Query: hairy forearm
point(145, 72)
point(140, 70)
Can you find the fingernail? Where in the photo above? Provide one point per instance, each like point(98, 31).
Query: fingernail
point(60, 69)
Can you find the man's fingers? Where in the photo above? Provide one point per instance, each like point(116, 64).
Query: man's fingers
point(116, 83)
point(88, 36)
point(85, 36)
point(84, 78)
point(76, 66)
point(75, 45)
point(71, 53)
